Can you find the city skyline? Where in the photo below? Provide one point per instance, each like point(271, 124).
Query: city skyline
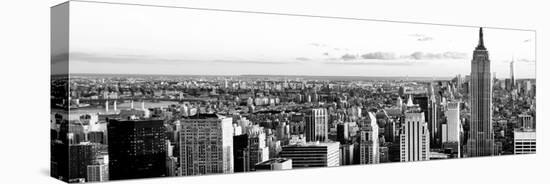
point(312, 46)
point(303, 106)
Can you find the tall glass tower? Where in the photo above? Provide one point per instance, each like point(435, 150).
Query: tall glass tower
point(512, 74)
point(480, 138)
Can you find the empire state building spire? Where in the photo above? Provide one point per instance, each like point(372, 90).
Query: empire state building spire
point(480, 45)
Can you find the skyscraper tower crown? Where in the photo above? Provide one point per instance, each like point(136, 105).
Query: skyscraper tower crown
point(480, 45)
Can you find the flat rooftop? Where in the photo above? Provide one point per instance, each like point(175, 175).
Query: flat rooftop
point(273, 161)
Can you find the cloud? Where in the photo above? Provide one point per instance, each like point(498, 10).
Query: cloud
point(346, 57)
point(431, 56)
point(318, 45)
point(421, 37)
point(528, 40)
point(391, 58)
point(302, 59)
point(379, 55)
point(414, 56)
point(253, 62)
point(374, 62)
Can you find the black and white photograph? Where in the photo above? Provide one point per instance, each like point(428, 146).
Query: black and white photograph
point(193, 95)
point(143, 91)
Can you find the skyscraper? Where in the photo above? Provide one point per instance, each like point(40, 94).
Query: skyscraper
point(525, 141)
point(480, 139)
point(206, 145)
point(259, 152)
point(428, 105)
point(346, 154)
point(97, 172)
point(137, 149)
point(342, 132)
point(433, 121)
point(316, 125)
point(312, 154)
point(526, 121)
point(512, 74)
point(450, 131)
point(415, 138)
point(241, 153)
point(80, 156)
point(368, 143)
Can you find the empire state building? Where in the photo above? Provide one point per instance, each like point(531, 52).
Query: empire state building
point(480, 138)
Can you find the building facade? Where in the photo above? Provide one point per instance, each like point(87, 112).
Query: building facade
point(80, 156)
point(450, 131)
point(368, 142)
point(137, 149)
point(312, 154)
point(526, 121)
point(525, 142)
point(316, 125)
point(241, 158)
point(97, 173)
point(259, 152)
point(274, 164)
point(480, 138)
point(415, 138)
point(206, 145)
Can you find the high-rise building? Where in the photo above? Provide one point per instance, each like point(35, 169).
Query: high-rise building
point(259, 152)
point(206, 145)
point(433, 121)
point(137, 149)
point(390, 131)
point(312, 154)
point(97, 173)
point(525, 141)
point(316, 125)
point(384, 154)
point(274, 146)
point(526, 121)
point(512, 74)
point(459, 81)
point(508, 84)
point(96, 137)
point(415, 138)
point(368, 142)
point(241, 152)
point(428, 105)
point(171, 160)
point(342, 132)
point(171, 166)
point(450, 131)
point(283, 131)
point(346, 154)
point(80, 156)
point(274, 164)
point(424, 102)
point(480, 138)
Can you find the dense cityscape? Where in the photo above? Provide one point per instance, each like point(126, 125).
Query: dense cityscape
point(115, 127)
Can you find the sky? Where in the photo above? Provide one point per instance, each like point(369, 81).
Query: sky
point(124, 39)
